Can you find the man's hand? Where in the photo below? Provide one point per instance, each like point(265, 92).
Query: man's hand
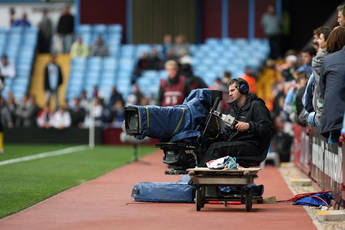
point(242, 126)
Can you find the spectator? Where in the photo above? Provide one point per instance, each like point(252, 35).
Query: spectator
point(180, 44)
point(45, 33)
point(118, 113)
point(12, 105)
point(12, 13)
point(249, 76)
point(281, 141)
point(154, 62)
point(297, 105)
point(288, 68)
point(44, 117)
point(65, 29)
point(25, 112)
point(23, 22)
point(79, 49)
point(170, 56)
point(52, 80)
point(7, 70)
point(193, 81)
point(307, 55)
point(135, 97)
point(106, 114)
point(5, 121)
point(332, 88)
point(62, 118)
point(341, 15)
point(271, 24)
point(167, 44)
point(322, 34)
point(142, 64)
point(77, 113)
point(84, 101)
point(99, 48)
point(115, 97)
point(173, 90)
point(278, 103)
point(184, 57)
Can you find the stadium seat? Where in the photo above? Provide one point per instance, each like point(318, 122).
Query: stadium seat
point(115, 28)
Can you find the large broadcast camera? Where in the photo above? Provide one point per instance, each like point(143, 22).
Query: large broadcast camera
point(184, 131)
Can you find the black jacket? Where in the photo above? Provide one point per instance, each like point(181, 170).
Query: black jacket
point(258, 116)
point(46, 78)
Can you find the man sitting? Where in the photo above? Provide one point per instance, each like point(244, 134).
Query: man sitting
point(249, 138)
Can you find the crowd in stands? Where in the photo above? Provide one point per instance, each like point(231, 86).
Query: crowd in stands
point(310, 87)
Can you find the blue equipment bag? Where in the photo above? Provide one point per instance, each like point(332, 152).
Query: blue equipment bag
point(167, 192)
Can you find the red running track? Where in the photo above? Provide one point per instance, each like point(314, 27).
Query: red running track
point(105, 203)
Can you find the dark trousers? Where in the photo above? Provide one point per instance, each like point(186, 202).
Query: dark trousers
point(246, 154)
point(274, 42)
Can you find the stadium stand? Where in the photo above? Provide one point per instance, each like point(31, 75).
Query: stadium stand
point(19, 45)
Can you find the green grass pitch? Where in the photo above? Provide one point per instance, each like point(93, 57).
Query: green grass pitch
point(26, 183)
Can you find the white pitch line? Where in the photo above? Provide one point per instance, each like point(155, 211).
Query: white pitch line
point(44, 155)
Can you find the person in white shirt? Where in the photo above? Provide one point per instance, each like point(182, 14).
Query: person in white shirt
point(52, 80)
point(7, 70)
point(62, 118)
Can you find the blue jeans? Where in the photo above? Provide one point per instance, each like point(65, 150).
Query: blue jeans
point(67, 41)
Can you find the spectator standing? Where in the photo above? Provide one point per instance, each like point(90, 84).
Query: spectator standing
point(12, 105)
point(271, 24)
point(193, 81)
point(118, 113)
point(7, 70)
point(341, 15)
point(62, 118)
point(79, 49)
point(99, 48)
point(5, 121)
point(180, 44)
point(307, 55)
point(45, 33)
point(167, 44)
point(52, 80)
point(322, 34)
point(249, 77)
point(332, 85)
point(288, 68)
point(65, 29)
point(173, 90)
point(12, 13)
point(23, 22)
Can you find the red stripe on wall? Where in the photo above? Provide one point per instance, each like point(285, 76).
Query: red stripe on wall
point(211, 19)
point(103, 12)
point(238, 18)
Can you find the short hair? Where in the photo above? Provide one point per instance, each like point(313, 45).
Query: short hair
point(171, 63)
point(336, 39)
point(302, 75)
point(310, 50)
point(340, 7)
point(227, 74)
point(325, 30)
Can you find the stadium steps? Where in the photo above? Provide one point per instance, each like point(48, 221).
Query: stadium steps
point(37, 80)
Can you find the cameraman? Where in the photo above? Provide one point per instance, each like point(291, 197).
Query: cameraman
point(249, 138)
point(173, 90)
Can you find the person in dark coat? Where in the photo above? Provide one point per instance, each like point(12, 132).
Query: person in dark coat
point(332, 85)
point(249, 138)
point(52, 80)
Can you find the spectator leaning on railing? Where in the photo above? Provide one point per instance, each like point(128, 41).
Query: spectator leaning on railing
point(332, 85)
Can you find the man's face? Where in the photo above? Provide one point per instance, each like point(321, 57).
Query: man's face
point(234, 94)
point(341, 19)
point(306, 58)
point(172, 71)
point(321, 40)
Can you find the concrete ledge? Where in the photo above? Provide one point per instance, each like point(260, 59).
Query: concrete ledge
point(301, 181)
point(331, 215)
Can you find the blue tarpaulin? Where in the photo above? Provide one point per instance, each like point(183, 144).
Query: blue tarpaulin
point(323, 199)
point(179, 122)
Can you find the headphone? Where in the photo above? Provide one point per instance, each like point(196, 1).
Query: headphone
point(243, 86)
